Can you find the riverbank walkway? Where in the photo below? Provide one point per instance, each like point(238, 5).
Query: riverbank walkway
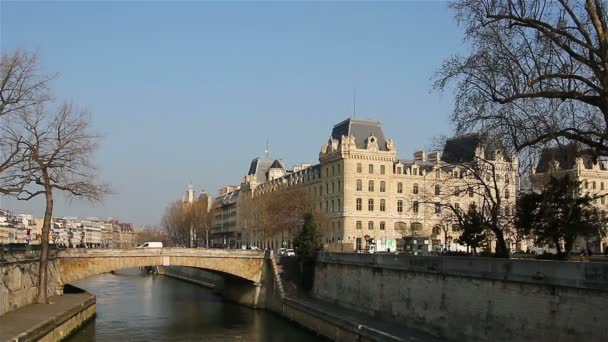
point(33, 321)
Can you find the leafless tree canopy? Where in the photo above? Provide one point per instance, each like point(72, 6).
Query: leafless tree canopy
point(188, 224)
point(22, 86)
point(537, 71)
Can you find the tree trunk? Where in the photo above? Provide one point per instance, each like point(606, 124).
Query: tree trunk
point(501, 246)
point(44, 252)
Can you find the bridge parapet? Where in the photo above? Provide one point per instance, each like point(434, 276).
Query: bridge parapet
point(156, 252)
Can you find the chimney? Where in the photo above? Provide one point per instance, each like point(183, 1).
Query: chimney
point(434, 157)
point(419, 156)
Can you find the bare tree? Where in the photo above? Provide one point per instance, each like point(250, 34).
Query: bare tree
point(537, 71)
point(59, 148)
point(21, 86)
point(175, 224)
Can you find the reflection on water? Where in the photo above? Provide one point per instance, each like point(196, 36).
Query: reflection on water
point(136, 307)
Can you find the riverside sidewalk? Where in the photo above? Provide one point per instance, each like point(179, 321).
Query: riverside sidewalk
point(381, 330)
point(35, 321)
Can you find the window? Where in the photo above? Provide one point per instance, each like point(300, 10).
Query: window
point(382, 169)
point(338, 169)
point(339, 186)
point(382, 186)
point(332, 188)
point(370, 204)
point(507, 194)
point(382, 225)
point(593, 185)
point(399, 170)
point(415, 207)
point(437, 174)
point(326, 172)
point(586, 184)
point(415, 188)
point(383, 205)
point(399, 206)
point(470, 192)
point(457, 206)
point(603, 200)
point(437, 189)
point(371, 168)
point(359, 168)
point(601, 185)
point(327, 188)
point(455, 173)
point(507, 179)
point(359, 204)
point(339, 205)
point(400, 187)
point(326, 206)
point(370, 225)
point(321, 190)
point(370, 185)
point(333, 171)
point(437, 208)
point(358, 225)
point(332, 206)
point(359, 185)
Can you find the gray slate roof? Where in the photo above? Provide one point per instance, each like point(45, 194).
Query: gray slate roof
point(361, 130)
point(565, 155)
point(259, 167)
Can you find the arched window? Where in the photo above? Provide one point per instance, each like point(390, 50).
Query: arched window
point(416, 228)
point(415, 188)
point(415, 207)
point(507, 194)
point(382, 186)
point(437, 189)
point(399, 206)
point(437, 230)
point(383, 205)
point(382, 169)
point(400, 187)
point(359, 204)
point(370, 185)
point(371, 168)
point(359, 185)
point(370, 204)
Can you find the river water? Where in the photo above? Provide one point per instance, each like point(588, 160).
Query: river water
point(132, 306)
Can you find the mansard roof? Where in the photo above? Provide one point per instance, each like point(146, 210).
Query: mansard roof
point(259, 167)
point(565, 155)
point(361, 130)
point(461, 149)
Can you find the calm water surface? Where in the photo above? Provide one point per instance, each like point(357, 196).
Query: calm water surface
point(136, 307)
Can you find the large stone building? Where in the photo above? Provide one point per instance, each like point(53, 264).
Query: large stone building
point(579, 166)
point(372, 197)
point(224, 230)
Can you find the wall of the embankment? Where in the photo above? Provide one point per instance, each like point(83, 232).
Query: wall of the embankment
point(19, 279)
point(472, 299)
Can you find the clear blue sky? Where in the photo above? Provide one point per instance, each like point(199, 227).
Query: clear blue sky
point(191, 91)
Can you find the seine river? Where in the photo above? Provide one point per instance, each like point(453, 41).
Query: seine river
point(136, 307)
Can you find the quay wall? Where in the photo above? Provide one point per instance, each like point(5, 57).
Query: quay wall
point(471, 299)
point(19, 279)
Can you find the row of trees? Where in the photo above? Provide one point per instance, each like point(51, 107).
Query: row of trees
point(278, 213)
point(45, 146)
point(188, 224)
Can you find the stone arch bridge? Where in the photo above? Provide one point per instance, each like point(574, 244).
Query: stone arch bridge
point(242, 270)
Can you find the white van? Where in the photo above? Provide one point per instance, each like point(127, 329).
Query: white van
point(151, 245)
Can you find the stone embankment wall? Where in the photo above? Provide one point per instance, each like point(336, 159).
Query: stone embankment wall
point(19, 279)
point(472, 299)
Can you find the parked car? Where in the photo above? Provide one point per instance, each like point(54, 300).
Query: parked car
point(151, 245)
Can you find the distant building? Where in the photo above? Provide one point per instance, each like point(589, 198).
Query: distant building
point(224, 230)
point(580, 166)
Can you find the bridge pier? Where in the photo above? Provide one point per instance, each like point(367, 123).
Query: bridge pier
point(241, 291)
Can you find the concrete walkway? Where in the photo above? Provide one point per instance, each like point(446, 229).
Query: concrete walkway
point(31, 318)
point(391, 330)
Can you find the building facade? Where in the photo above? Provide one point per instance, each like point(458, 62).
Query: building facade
point(371, 197)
